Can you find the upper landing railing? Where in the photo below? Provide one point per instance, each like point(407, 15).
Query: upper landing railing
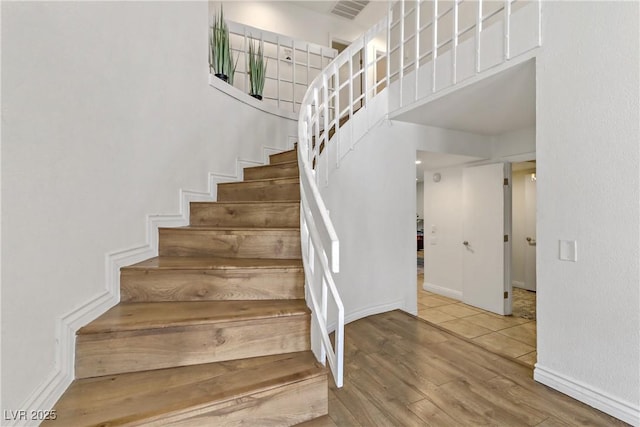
point(434, 45)
point(291, 64)
point(419, 49)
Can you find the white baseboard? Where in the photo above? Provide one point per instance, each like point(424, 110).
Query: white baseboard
point(368, 311)
point(584, 393)
point(47, 394)
point(517, 284)
point(440, 290)
point(291, 141)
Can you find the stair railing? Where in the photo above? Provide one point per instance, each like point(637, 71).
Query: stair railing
point(332, 98)
point(291, 64)
point(369, 67)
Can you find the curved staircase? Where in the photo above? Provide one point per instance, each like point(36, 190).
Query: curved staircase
point(213, 331)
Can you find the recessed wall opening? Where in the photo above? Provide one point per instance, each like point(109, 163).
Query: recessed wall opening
point(476, 213)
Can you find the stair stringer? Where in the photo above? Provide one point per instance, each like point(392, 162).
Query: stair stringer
point(44, 397)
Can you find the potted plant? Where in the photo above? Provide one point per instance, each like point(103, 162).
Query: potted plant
point(257, 68)
point(220, 58)
point(232, 70)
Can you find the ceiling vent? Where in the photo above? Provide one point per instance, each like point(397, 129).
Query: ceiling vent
point(349, 8)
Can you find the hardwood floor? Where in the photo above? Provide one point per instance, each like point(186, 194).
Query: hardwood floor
point(508, 336)
point(402, 371)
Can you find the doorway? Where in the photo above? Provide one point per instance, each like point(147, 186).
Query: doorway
point(440, 282)
point(523, 255)
point(494, 120)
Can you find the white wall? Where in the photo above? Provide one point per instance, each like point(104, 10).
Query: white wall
point(374, 219)
point(588, 80)
point(519, 143)
point(107, 114)
point(439, 140)
point(442, 249)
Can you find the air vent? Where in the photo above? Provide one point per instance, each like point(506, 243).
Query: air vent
point(349, 8)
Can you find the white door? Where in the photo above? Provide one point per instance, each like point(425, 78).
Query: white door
point(486, 272)
point(530, 232)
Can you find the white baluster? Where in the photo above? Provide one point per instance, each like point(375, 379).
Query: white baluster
point(434, 51)
point(454, 45)
point(417, 55)
point(478, 34)
point(507, 29)
point(402, 17)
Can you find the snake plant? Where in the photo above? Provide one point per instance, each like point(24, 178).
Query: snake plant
point(220, 58)
point(257, 68)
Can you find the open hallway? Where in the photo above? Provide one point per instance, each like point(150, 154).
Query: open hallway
point(402, 371)
point(509, 336)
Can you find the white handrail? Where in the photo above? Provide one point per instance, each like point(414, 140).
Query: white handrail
point(341, 91)
point(320, 120)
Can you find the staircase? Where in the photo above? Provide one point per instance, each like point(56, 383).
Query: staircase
point(213, 331)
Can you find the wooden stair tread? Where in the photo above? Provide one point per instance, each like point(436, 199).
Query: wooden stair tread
point(234, 230)
point(285, 156)
point(230, 242)
point(213, 263)
point(181, 392)
point(250, 202)
point(281, 180)
point(283, 167)
point(246, 213)
point(261, 189)
point(289, 163)
point(162, 315)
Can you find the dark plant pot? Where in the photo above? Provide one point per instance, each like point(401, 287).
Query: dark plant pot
point(222, 77)
point(258, 97)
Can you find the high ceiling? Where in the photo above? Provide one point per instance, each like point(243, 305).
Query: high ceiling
point(368, 17)
point(318, 6)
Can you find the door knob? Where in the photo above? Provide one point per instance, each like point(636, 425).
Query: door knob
point(529, 239)
point(465, 243)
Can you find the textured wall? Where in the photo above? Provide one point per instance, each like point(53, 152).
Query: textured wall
point(442, 249)
point(371, 198)
point(588, 79)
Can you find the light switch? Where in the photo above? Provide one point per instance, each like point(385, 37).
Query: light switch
point(434, 229)
point(569, 250)
point(434, 241)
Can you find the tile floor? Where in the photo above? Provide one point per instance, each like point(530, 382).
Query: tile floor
point(506, 335)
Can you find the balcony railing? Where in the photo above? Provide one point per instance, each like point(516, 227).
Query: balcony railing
point(291, 64)
point(438, 44)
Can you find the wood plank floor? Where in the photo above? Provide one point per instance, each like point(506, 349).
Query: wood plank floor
point(402, 371)
point(510, 336)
